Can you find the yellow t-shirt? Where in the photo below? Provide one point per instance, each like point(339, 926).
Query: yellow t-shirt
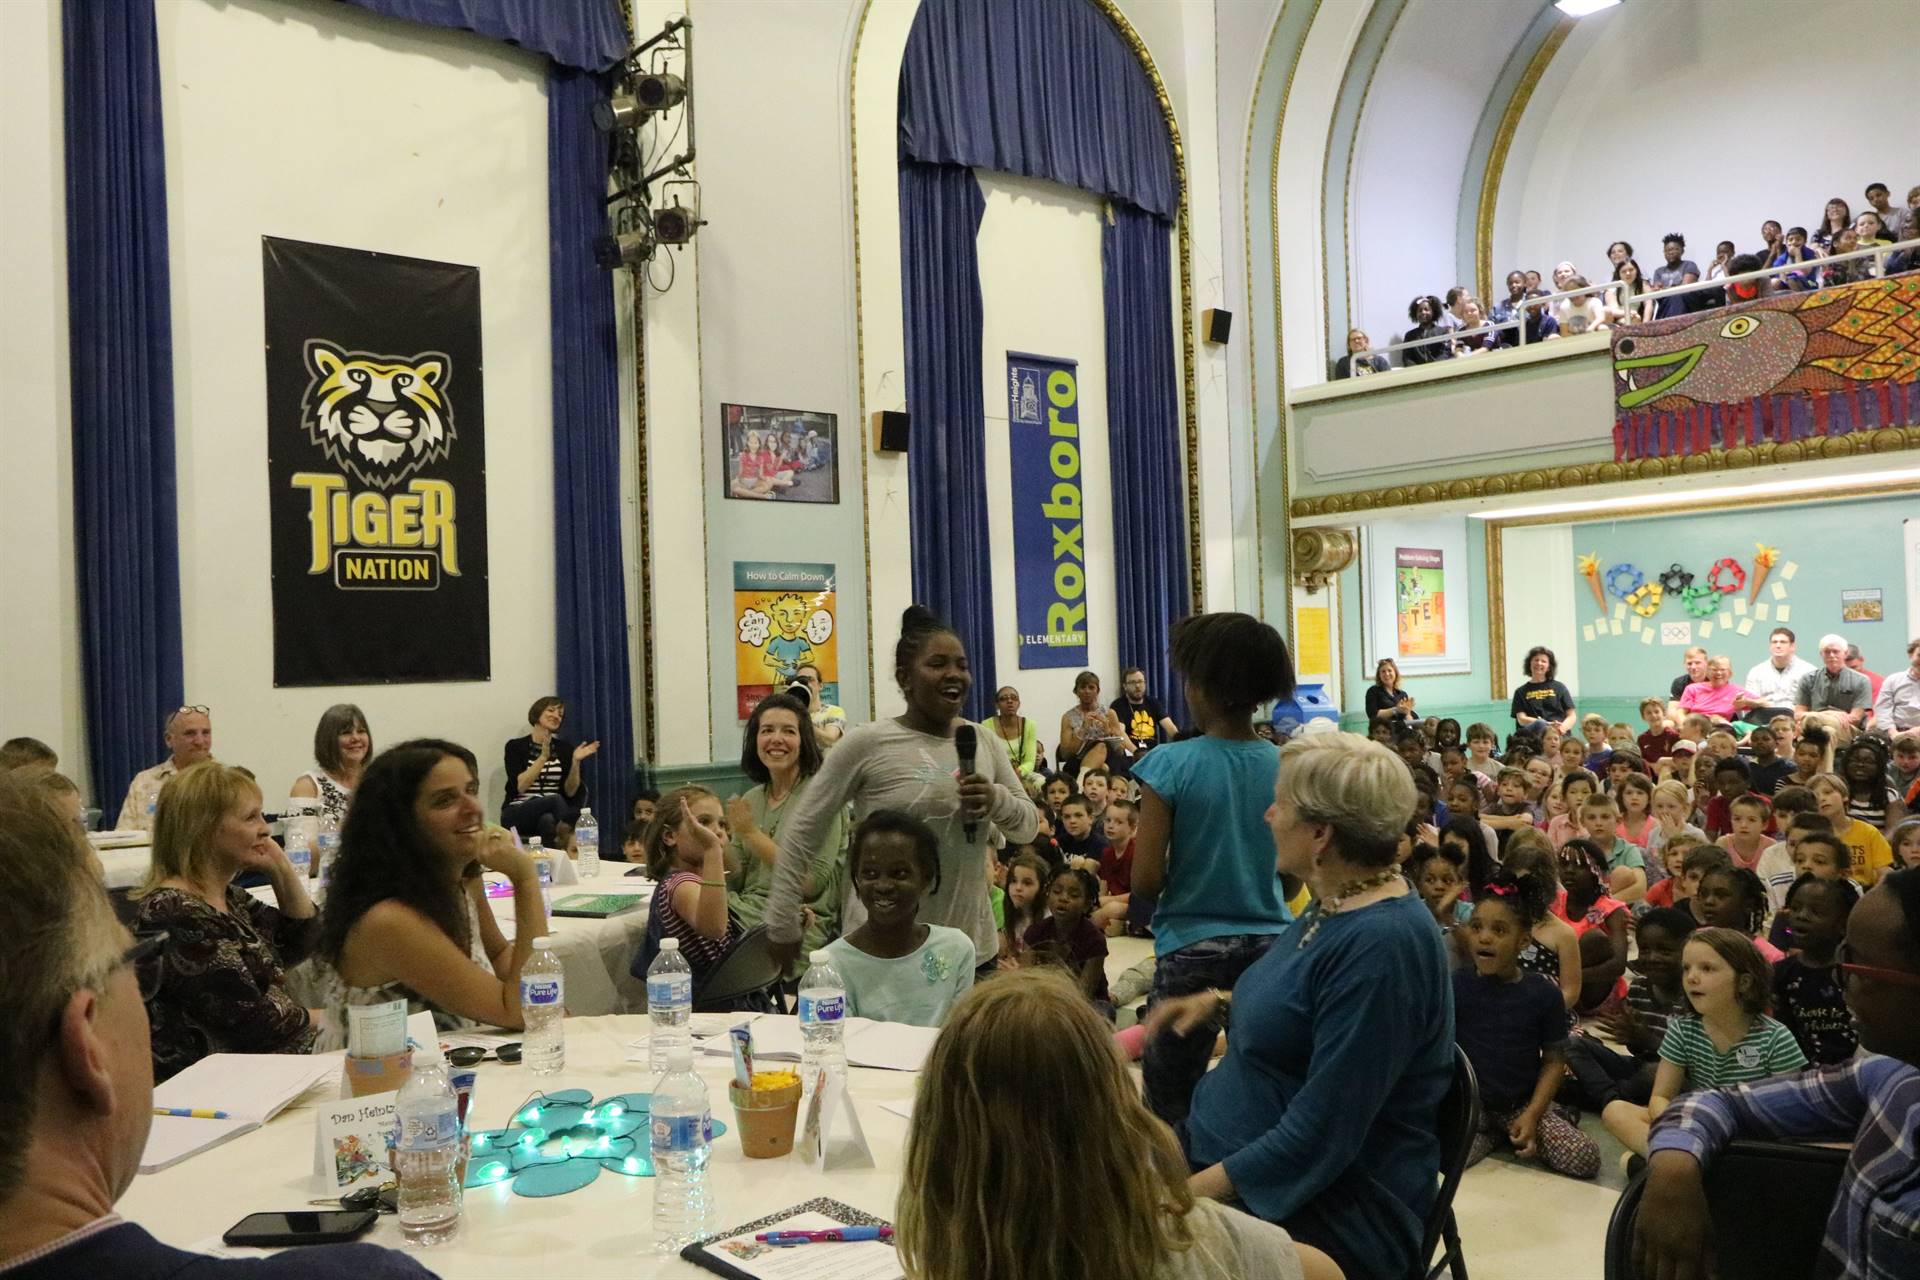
point(1868, 853)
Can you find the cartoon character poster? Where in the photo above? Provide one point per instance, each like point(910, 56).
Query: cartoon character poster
point(784, 619)
point(1420, 600)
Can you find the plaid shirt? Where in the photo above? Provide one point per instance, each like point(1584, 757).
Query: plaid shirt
point(1873, 1232)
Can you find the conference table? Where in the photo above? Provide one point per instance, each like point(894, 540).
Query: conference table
point(124, 857)
point(603, 1229)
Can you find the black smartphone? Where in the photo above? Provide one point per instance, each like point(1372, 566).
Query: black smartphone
point(301, 1226)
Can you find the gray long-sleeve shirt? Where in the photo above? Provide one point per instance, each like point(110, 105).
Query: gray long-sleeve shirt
point(886, 765)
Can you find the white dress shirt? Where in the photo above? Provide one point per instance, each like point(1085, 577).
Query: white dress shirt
point(1897, 710)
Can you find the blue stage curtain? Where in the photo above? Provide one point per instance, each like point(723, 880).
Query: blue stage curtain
point(589, 35)
point(590, 603)
point(1143, 434)
point(940, 211)
point(1044, 89)
point(120, 328)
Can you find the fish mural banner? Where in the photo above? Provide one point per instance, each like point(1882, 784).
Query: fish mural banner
point(1790, 367)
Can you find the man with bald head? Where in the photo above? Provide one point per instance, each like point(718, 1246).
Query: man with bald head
point(189, 737)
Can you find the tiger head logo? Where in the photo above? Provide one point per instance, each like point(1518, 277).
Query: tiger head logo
point(378, 418)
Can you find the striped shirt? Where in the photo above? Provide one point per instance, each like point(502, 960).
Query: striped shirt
point(1654, 1012)
point(1766, 1050)
point(702, 952)
point(1873, 1231)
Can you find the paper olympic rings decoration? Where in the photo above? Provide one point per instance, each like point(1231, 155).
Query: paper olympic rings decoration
point(1676, 579)
point(1625, 574)
point(1646, 599)
point(1728, 588)
point(1701, 602)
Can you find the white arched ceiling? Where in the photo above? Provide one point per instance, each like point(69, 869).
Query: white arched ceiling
point(1412, 154)
point(1707, 118)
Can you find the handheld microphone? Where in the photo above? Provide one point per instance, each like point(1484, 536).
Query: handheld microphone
point(966, 742)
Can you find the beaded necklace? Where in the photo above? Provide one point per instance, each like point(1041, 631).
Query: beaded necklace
point(1349, 891)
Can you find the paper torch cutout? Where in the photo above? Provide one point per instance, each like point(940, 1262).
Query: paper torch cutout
point(1763, 558)
point(1590, 570)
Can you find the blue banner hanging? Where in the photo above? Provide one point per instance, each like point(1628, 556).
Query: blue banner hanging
point(1049, 556)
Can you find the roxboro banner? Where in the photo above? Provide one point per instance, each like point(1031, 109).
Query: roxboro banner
point(376, 464)
point(1049, 546)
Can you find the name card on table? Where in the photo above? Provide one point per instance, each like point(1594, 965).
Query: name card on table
point(830, 1133)
point(353, 1142)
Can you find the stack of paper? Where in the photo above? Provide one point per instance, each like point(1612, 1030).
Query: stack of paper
point(885, 1046)
point(251, 1088)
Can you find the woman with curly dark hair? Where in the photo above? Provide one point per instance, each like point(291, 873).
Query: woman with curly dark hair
point(1425, 312)
point(406, 914)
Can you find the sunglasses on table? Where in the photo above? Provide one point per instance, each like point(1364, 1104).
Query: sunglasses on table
point(471, 1055)
point(1843, 960)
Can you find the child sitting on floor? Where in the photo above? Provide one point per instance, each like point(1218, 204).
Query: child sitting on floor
point(1726, 1039)
point(1818, 853)
point(1026, 906)
point(1792, 807)
point(1602, 1074)
point(1692, 857)
point(1809, 997)
point(1079, 840)
point(1068, 938)
point(1634, 795)
point(1599, 919)
point(897, 969)
point(1626, 865)
point(1482, 742)
point(1905, 840)
point(1593, 729)
point(1572, 791)
point(1512, 810)
point(1770, 771)
point(1116, 866)
point(1656, 744)
point(1733, 898)
point(1750, 816)
point(1439, 875)
point(1513, 1029)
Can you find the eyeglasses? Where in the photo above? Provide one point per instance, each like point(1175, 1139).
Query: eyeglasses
point(194, 709)
point(469, 1055)
point(1899, 977)
point(146, 968)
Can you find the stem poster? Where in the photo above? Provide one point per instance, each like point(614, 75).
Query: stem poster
point(783, 619)
point(1420, 601)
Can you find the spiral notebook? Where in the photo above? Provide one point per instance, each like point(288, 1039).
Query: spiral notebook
point(737, 1254)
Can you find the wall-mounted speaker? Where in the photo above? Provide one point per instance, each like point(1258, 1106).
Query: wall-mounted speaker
point(1320, 553)
point(1215, 325)
point(890, 431)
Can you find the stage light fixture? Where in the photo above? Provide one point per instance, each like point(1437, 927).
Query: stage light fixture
point(659, 91)
point(628, 249)
point(676, 221)
point(616, 113)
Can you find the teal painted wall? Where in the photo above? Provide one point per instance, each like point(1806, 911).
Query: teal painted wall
point(1465, 697)
point(1837, 545)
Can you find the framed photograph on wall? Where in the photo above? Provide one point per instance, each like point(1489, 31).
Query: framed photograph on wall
point(780, 455)
point(1413, 578)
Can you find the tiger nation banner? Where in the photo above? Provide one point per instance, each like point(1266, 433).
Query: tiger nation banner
point(1049, 549)
point(376, 464)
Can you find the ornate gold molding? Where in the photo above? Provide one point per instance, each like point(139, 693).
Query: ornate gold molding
point(860, 352)
point(1503, 143)
point(1496, 612)
point(1578, 475)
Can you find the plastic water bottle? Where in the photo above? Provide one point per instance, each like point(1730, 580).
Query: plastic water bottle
point(299, 828)
point(823, 1012)
point(326, 844)
point(428, 1157)
point(669, 1005)
point(586, 842)
point(543, 993)
point(682, 1137)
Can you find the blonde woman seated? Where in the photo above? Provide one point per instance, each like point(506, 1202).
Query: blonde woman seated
point(222, 970)
point(1002, 1180)
point(407, 916)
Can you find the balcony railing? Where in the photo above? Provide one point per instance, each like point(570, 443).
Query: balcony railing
point(1518, 325)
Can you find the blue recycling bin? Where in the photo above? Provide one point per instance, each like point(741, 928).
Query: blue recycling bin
point(1309, 702)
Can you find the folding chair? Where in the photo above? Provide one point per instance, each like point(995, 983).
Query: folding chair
point(1458, 1121)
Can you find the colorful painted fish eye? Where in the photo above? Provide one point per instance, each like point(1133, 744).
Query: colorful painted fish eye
point(1739, 327)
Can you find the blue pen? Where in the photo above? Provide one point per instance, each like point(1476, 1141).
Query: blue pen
point(784, 1239)
point(191, 1113)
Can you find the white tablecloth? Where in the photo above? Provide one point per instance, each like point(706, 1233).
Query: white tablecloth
point(601, 1230)
point(126, 867)
point(594, 954)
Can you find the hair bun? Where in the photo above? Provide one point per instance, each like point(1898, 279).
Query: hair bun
point(919, 618)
